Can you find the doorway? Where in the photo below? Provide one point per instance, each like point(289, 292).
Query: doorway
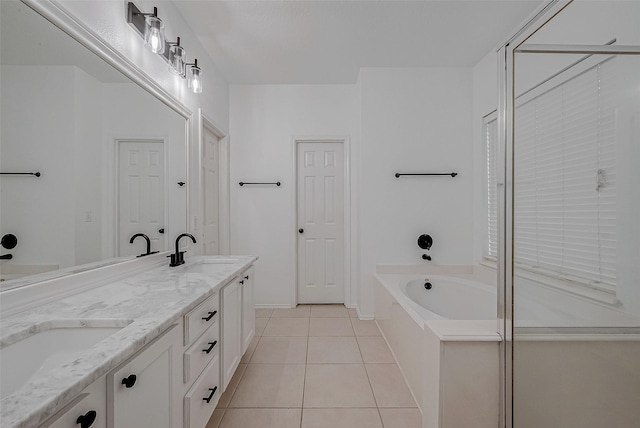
point(320, 192)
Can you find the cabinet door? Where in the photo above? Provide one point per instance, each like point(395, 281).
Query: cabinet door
point(248, 309)
point(88, 410)
point(140, 392)
point(231, 330)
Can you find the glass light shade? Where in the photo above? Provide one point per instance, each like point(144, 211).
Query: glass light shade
point(154, 34)
point(195, 84)
point(176, 60)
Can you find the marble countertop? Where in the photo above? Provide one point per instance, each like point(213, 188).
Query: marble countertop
point(144, 304)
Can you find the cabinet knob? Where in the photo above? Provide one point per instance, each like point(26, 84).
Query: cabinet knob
point(301, 230)
point(211, 346)
point(129, 381)
point(246, 277)
point(213, 391)
point(87, 419)
point(211, 315)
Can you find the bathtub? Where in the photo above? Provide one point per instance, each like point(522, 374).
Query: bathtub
point(456, 318)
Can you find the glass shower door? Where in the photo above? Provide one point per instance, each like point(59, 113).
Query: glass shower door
point(576, 223)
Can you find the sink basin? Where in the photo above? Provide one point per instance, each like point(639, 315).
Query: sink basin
point(36, 355)
point(209, 266)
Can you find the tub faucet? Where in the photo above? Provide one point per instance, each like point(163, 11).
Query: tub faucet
point(177, 258)
point(148, 244)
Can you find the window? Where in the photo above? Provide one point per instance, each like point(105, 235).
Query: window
point(564, 178)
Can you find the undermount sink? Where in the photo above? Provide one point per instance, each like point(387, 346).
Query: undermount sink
point(48, 349)
point(209, 265)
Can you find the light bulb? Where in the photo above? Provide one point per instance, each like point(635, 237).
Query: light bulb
point(195, 84)
point(154, 34)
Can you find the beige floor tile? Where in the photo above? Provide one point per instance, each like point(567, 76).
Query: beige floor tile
point(365, 328)
point(333, 350)
point(300, 311)
point(330, 327)
point(389, 386)
point(337, 385)
point(231, 388)
point(329, 311)
point(263, 313)
point(287, 327)
point(280, 350)
point(270, 385)
point(375, 350)
point(341, 418)
point(401, 418)
point(353, 313)
point(214, 421)
point(250, 350)
point(261, 418)
point(261, 323)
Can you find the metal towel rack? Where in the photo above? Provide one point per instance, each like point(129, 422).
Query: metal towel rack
point(242, 183)
point(35, 174)
point(452, 174)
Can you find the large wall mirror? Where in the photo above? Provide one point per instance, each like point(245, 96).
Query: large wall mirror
point(110, 156)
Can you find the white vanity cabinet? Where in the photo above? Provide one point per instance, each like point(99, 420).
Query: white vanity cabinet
point(248, 309)
point(141, 392)
point(201, 362)
point(87, 410)
point(231, 330)
point(238, 322)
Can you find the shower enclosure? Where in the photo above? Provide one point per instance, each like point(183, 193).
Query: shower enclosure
point(569, 217)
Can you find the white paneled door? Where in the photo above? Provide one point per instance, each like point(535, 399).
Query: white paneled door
point(320, 187)
point(140, 195)
point(210, 185)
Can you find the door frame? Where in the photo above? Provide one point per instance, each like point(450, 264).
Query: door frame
point(224, 238)
point(346, 148)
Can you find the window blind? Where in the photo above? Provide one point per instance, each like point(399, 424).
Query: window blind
point(491, 141)
point(564, 180)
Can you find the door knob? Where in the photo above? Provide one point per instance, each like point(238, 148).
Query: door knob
point(300, 230)
point(161, 230)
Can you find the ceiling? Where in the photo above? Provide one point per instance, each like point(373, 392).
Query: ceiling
point(327, 42)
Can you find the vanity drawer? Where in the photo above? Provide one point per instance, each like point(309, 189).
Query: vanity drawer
point(201, 400)
point(204, 315)
point(201, 352)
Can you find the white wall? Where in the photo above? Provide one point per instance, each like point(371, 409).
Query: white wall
point(414, 120)
point(264, 119)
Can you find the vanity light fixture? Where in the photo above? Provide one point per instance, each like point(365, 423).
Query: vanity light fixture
point(151, 28)
point(194, 81)
point(148, 26)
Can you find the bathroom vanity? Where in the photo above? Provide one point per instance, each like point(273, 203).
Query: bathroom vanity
point(153, 349)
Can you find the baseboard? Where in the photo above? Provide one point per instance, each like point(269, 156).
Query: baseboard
point(271, 306)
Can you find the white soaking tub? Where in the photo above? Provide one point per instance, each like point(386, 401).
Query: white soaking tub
point(445, 342)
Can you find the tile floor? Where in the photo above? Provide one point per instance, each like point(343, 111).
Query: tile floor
point(316, 366)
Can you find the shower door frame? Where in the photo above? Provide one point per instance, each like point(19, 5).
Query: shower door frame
point(506, 112)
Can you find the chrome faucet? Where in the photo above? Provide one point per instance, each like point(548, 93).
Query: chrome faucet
point(148, 244)
point(177, 258)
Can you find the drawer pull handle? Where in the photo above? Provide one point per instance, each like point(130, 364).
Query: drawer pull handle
point(211, 315)
point(87, 419)
point(213, 391)
point(246, 277)
point(241, 282)
point(129, 381)
point(211, 346)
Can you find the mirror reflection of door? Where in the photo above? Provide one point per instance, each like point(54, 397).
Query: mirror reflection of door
point(210, 184)
point(140, 195)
